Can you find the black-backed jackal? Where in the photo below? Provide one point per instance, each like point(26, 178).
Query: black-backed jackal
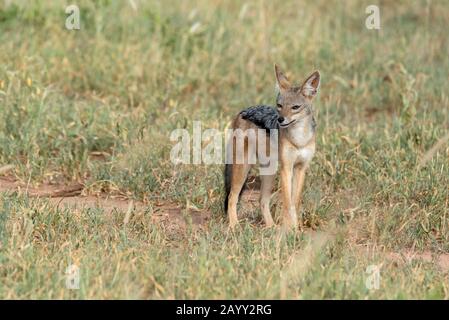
point(293, 118)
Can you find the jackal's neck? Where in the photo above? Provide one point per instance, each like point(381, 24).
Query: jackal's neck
point(302, 132)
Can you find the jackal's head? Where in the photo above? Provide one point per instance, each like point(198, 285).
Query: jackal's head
point(294, 103)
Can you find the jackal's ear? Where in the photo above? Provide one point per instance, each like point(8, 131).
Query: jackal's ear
point(310, 87)
point(281, 80)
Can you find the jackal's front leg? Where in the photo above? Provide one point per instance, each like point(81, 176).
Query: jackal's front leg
point(289, 210)
point(298, 183)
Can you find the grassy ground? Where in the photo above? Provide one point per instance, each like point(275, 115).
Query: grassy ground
point(98, 105)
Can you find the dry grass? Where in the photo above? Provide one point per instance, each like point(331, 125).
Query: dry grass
point(97, 106)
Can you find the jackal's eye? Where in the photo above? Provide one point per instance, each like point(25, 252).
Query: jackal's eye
point(296, 107)
point(279, 106)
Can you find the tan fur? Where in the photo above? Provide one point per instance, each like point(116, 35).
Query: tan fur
point(296, 149)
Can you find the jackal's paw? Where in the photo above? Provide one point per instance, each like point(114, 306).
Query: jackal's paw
point(290, 223)
point(290, 220)
point(233, 225)
point(269, 224)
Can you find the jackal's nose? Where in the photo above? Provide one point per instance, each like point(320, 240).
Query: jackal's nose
point(281, 119)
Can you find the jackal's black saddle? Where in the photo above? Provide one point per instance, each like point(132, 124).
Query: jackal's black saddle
point(265, 117)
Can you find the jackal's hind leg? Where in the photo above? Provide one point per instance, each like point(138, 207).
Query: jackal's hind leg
point(266, 188)
point(238, 178)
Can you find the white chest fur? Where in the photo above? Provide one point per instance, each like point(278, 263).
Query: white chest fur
point(300, 134)
point(304, 155)
point(301, 150)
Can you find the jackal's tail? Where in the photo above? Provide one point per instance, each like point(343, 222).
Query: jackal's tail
point(227, 183)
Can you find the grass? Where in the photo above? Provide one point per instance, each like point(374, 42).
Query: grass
point(122, 83)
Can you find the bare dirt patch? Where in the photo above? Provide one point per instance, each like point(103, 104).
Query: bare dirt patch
point(70, 196)
point(400, 257)
point(441, 260)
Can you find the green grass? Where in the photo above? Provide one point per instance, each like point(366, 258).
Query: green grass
point(123, 82)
